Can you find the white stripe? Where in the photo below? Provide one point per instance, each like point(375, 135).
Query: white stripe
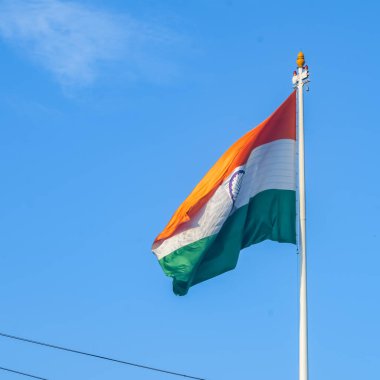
point(269, 166)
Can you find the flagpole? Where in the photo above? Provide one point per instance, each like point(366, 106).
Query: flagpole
point(300, 77)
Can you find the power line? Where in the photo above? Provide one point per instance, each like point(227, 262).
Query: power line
point(98, 356)
point(22, 373)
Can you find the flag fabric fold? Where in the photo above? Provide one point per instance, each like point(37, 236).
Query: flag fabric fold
point(248, 196)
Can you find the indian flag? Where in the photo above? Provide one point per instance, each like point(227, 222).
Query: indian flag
point(248, 196)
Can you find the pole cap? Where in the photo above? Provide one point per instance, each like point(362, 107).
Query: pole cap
point(300, 59)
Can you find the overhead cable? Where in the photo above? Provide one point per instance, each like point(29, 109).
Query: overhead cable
point(98, 356)
point(22, 373)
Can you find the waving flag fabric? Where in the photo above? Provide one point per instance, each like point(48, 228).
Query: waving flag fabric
point(248, 196)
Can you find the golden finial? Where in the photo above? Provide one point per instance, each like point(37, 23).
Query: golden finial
point(300, 59)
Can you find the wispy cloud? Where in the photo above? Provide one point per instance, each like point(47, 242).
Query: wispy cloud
point(73, 41)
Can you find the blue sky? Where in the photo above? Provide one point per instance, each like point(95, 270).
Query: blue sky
point(110, 113)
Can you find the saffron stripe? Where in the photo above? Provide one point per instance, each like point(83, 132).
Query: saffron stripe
point(280, 125)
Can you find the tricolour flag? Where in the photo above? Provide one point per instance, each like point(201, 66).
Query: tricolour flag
point(248, 196)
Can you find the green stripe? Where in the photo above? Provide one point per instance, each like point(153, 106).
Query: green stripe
point(270, 215)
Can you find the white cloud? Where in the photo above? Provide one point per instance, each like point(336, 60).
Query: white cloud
point(71, 40)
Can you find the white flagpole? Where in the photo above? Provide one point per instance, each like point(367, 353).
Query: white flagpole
point(299, 79)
